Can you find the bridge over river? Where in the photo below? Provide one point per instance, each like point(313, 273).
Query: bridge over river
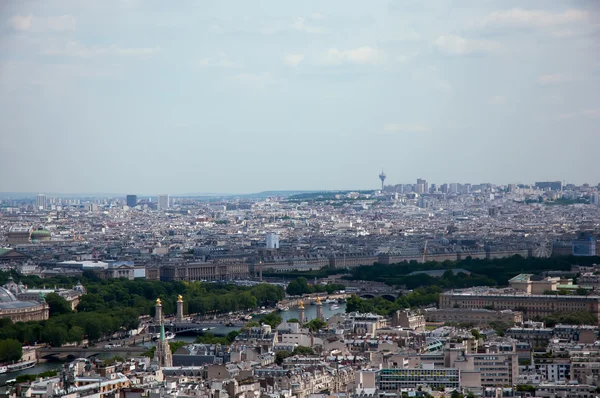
point(194, 327)
point(80, 352)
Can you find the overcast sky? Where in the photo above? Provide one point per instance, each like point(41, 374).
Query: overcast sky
point(243, 96)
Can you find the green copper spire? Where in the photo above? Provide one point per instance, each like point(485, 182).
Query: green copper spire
point(162, 331)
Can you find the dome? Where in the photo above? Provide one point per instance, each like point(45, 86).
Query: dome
point(6, 296)
point(40, 233)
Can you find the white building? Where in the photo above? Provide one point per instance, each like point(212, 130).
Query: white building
point(163, 202)
point(272, 240)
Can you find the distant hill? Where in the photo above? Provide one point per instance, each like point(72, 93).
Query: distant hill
point(323, 194)
point(292, 194)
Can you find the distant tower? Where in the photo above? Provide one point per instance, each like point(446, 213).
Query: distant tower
point(163, 202)
point(131, 200)
point(382, 178)
point(158, 312)
point(41, 202)
point(301, 317)
point(319, 308)
point(179, 308)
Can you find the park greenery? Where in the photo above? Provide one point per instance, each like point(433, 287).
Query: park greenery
point(568, 318)
point(10, 350)
point(115, 306)
point(486, 272)
point(300, 286)
point(420, 297)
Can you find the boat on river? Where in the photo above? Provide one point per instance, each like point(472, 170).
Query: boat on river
point(168, 336)
point(20, 366)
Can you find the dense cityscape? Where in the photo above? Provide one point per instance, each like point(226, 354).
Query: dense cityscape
point(299, 199)
point(412, 290)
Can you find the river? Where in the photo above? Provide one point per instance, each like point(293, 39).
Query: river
point(42, 367)
point(310, 312)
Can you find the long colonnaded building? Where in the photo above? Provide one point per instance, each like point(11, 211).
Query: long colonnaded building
point(510, 299)
point(527, 294)
point(204, 271)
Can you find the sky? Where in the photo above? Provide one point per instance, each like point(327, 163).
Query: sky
point(243, 96)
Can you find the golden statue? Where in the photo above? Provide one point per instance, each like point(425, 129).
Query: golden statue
point(180, 298)
point(158, 302)
point(318, 300)
point(300, 304)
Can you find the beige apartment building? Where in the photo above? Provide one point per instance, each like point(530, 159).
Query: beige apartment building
point(406, 319)
point(585, 367)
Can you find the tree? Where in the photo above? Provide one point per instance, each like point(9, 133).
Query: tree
point(209, 338)
point(526, 388)
point(315, 325)
point(476, 334)
point(55, 335)
point(272, 319)
point(251, 324)
point(298, 287)
point(10, 350)
point(75, 335)
point(281, 355)
point(232, 335)
point(293, 320)
point(93, 328)
point(58, 305)
point(303, 350)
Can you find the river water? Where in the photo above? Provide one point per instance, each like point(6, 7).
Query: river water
point(310, 312)
point(42, 367)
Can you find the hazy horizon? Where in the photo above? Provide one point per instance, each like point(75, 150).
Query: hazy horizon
point(244, 97)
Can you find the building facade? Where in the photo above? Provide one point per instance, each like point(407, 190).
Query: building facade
point(131, 200)
point(204, 272)
point(472, 315)
point(532, 305)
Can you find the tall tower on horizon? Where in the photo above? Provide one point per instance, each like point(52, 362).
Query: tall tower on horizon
point(41, 202)
point(382, 178)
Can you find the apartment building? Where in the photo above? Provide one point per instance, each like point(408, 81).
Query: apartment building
point(406, 319)
point(396, 379)
point(585, 367)
point(492, 365)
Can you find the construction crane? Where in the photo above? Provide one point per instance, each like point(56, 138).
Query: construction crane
point(425, 251)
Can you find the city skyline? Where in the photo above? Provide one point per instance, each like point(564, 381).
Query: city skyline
point(245, 97)
point(390, 184)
